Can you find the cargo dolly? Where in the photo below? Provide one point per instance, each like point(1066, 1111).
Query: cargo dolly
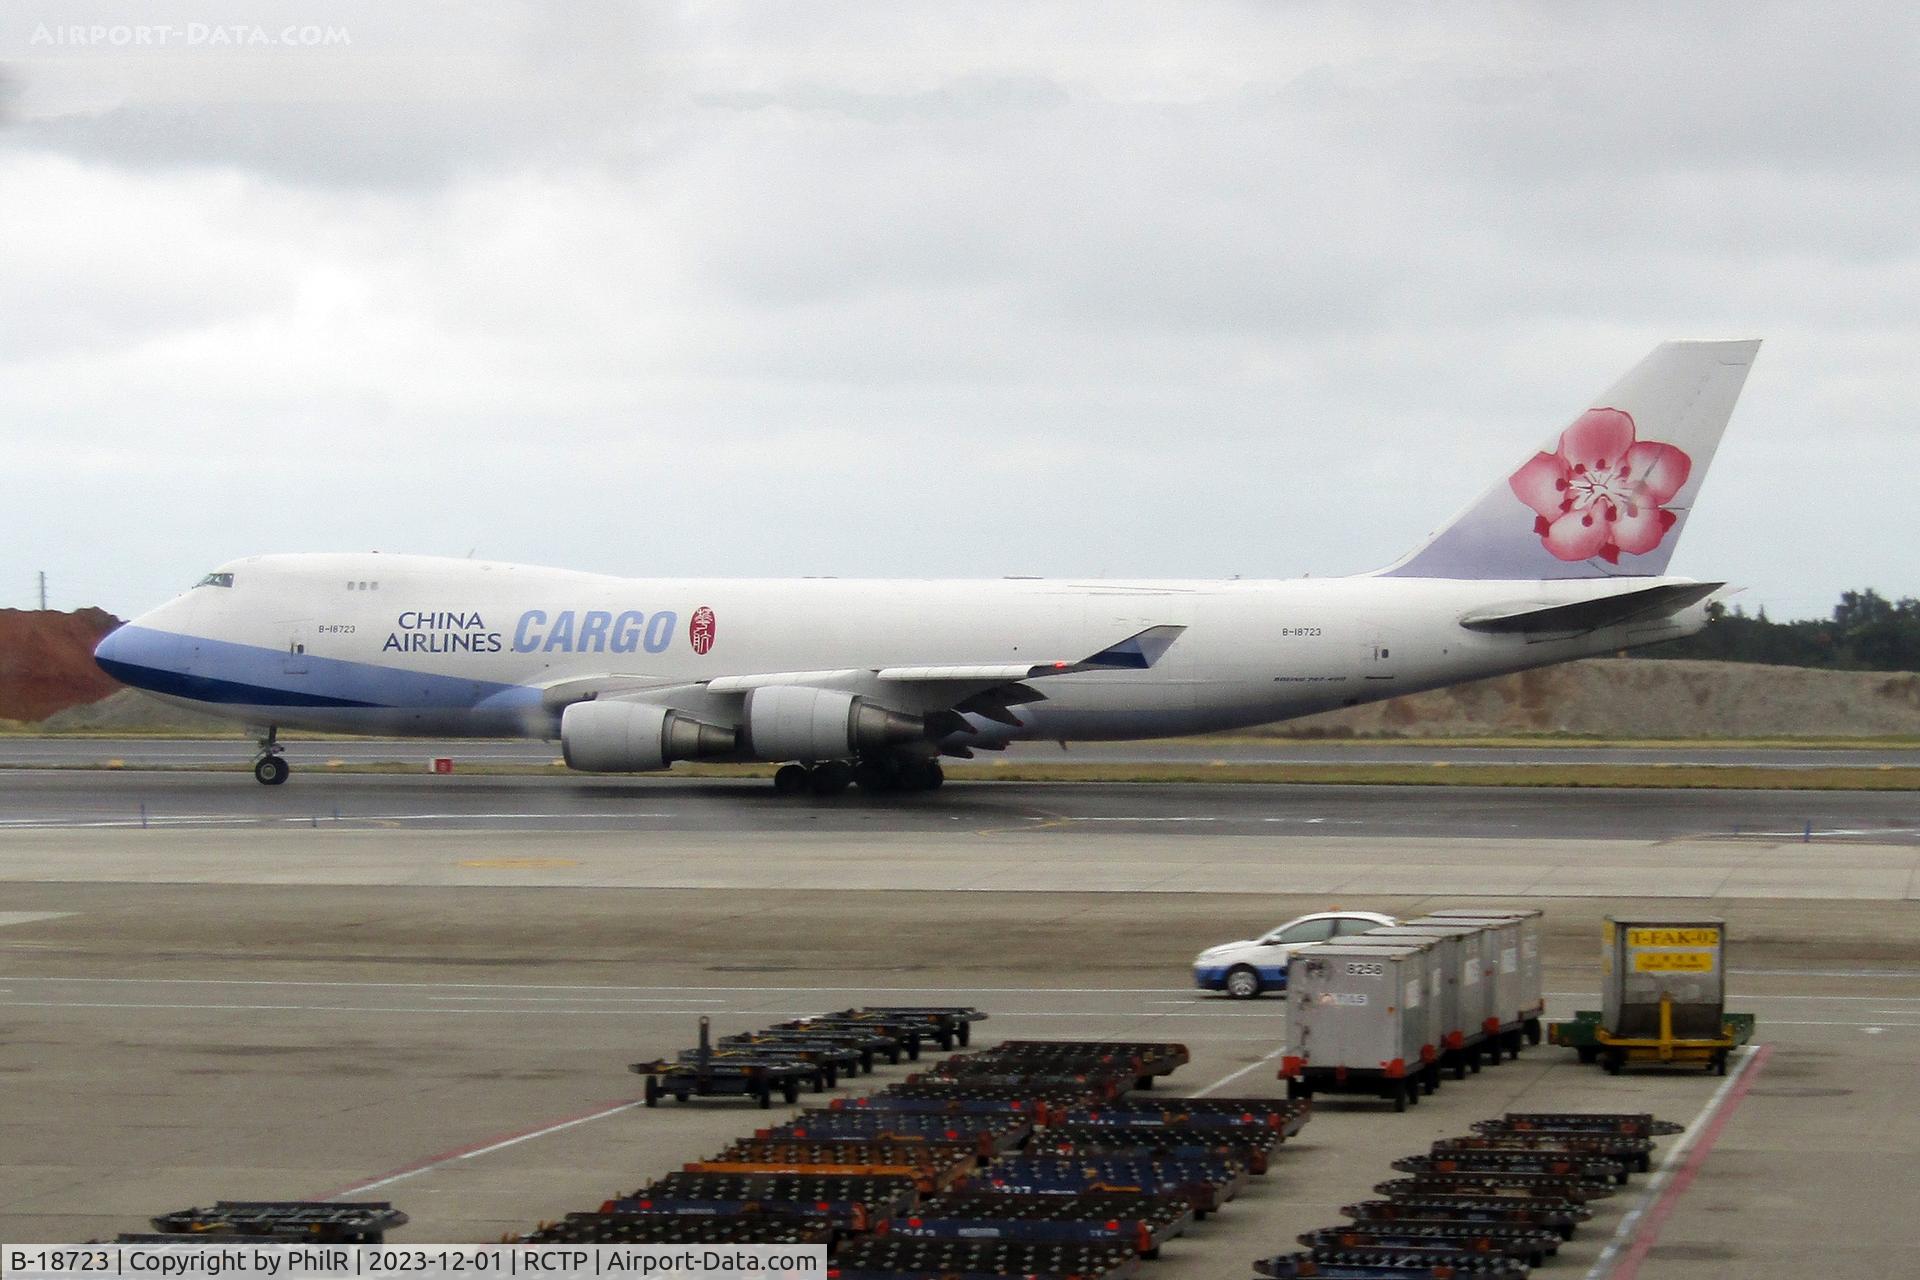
point(711, 1076)
point(847, 1057)
point(1518, 1186)
point(1626, 1123)
point(932, 1168)
point(849, 1203)
point(1251, 1147)
point(1141, 1222)
point(1144, 1061)
point(1014, 1108)
point(1635, 1153)
point(1206, 1184)
point(1103, 1086)
point(989, 1135)
point(891, 1257)
point(1285, 1118)
point(1530, 1245)
point(1561, 1217)
point(1558, 1164)
point(287, 1221)
point(955, 1020)
point(1051, 1097)
point(1584, 1035)
point(1328, 1263)
point(680, 1228)
point(821, 1071)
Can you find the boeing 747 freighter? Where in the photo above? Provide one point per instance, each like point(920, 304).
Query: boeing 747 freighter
point(844, 681)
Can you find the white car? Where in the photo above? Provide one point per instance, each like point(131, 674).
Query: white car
point(1244, 969)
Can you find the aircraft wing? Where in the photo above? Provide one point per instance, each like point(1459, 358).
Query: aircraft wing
point(966, 681)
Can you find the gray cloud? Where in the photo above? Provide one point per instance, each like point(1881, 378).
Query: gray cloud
point(894, 288)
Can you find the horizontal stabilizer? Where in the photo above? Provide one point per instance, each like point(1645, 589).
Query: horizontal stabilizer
point(1591, 615)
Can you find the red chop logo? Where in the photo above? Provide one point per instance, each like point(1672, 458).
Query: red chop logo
point(700, 630)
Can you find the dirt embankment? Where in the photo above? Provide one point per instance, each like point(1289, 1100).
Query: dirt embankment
point(46, 661)
point(1644, 698)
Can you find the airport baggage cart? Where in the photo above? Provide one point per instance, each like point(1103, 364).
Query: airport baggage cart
point(680, 1228)
point(872, 1045)
point(894, 1257)
point(957, 1019)
point(1561, 1216)
point(942, 1029)
point(1358, 1022)
point(1146, 1060)
point(903, 1039)
point(1636, 1124)
point(932, 1168)
point(1206, 1184)
point(1531, 1245)
point(1098, 1086)
point(848, 1203)
point(707, 1075)
point(1251, 1147)
point(821, 1072)
point(1359, 1263)
point(1634, 1153)
point(1495, 1183)
point(1143, 1222)
point(848, 1057)
point(1584, 1034)
point(1284, 1117)
point(287, 1221)
point(1560, 1164)
point(990, 1135)
point(1052, 1095)
point(1533, 1001)
point(1038, 1112)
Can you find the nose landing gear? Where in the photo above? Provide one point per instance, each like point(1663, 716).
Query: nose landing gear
point(269, 768)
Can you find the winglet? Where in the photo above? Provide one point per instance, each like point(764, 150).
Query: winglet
point(1137, 652)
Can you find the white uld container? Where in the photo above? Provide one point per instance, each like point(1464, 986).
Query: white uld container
point(1502, 969)
point(1485, 946)
point(1474, 991)
point(1533, 987)
point(1449, 1029)
point(1364, 1008)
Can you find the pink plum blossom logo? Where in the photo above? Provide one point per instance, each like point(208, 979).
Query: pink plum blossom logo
point(1601, 492)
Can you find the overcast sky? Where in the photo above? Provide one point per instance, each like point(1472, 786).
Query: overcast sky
point(934, 289)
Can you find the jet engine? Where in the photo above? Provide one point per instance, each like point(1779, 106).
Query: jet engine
point(794, 722)
point(635, 737)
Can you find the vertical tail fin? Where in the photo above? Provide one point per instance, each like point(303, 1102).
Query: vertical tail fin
point(1609, 495)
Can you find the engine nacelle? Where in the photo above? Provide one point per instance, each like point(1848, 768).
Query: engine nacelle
point(635, 737)
point(793, 722)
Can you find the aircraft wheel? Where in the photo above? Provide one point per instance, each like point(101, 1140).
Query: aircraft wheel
point(790, 779)
point(271, 771)
point(875, 777)
point(831, 778)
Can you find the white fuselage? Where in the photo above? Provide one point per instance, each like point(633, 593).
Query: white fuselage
point(415, 645)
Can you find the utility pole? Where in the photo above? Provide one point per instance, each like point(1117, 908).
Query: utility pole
point(43, 591)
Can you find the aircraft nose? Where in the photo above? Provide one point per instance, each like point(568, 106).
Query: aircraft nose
point(134, 654)
point(111, 652)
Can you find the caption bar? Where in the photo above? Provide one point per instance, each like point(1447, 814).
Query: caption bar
point(215, 1260)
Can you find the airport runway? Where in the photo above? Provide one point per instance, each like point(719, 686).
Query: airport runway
point(236, 751)
point(85, 798)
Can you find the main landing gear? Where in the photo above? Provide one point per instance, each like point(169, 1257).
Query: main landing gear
point(269, 768)
point(873, 774)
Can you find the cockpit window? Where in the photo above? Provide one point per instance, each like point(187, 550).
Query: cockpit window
point(216, 580)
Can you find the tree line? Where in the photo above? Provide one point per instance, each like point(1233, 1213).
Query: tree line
point(1867, 632)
